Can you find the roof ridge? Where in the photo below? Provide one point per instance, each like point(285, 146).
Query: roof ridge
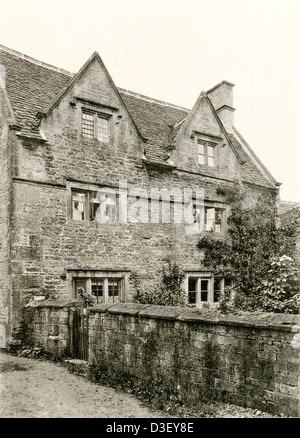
point(68, 73)
point(150, 99)
point(35, 61)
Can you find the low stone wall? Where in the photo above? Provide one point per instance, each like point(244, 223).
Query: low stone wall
point(47, 326)
point(250, 360)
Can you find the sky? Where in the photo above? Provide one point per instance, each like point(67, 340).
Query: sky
point(173, 49)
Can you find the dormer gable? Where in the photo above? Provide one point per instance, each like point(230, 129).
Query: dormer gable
point(93, 90)
point(159, 126)
point(202, 143)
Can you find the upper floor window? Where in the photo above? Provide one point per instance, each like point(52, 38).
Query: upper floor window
point(92, 205)
point(213, 218)
point(95, 125)
point(206, 153)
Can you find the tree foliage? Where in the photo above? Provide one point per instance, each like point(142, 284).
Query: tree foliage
point(280, 289)
point(250, 254)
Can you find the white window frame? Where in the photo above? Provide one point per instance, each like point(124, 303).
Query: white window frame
point(206, 152)
point(199, 277)
point(107, 210)
point(210, 212)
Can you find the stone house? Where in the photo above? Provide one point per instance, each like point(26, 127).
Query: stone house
point(81, 159)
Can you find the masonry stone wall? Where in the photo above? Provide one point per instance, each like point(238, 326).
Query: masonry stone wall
point(47, 325)
point(250, 360)
point(5, 194)
point(46, 242)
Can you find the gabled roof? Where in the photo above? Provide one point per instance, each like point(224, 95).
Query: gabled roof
point(30, 85)
point(35, 87)
point(240, 139)
point(250, 170)
point(155, 120)
point(95, 57)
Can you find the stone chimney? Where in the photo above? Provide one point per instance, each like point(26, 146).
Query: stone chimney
point(221, 96)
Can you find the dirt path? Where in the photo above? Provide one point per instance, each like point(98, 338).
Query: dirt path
point(40, 389)
point(31, 388)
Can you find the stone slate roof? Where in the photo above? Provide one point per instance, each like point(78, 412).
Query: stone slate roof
point(32, 85)
point(155, 120)
point(288, 206)
point(251, 174)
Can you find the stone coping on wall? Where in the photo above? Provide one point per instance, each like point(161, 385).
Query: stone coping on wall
point(53, 303)
point(271, 321)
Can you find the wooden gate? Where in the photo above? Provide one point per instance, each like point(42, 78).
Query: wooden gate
point(79, 333)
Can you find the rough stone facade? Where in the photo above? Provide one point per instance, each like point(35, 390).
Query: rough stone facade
point(45, 159)
point(5, 221)
point(250, 360)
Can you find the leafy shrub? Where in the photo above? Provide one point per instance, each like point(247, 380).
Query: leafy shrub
point(280, 291)
point(168, 293)
point(253, 251)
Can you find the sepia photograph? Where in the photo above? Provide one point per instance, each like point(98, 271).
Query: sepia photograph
point(150, 212)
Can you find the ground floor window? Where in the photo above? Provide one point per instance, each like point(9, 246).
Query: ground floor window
point(102, 286)
point(204, 288)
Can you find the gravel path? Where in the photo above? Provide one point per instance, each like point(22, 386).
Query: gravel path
point(31, 388)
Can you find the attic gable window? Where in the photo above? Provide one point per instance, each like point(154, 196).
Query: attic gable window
point(87, 125)
point(95, 125)
point(102, 129)
point(206, 153)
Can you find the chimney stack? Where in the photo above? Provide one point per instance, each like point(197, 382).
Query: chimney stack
point(221, 96)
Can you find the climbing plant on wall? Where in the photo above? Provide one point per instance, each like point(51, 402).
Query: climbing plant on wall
point(255, 240)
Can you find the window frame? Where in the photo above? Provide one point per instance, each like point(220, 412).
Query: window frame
point(206, 145)
point(199, 278)
point(200, 209)
point(96, 114)
point(90, 201)
point(88, 277)
point(77, 193)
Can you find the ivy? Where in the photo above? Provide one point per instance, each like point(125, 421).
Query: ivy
point(254, 242)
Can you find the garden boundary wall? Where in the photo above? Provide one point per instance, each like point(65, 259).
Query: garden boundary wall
point(49, 325)
point(191, 355)
point(250, 360)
